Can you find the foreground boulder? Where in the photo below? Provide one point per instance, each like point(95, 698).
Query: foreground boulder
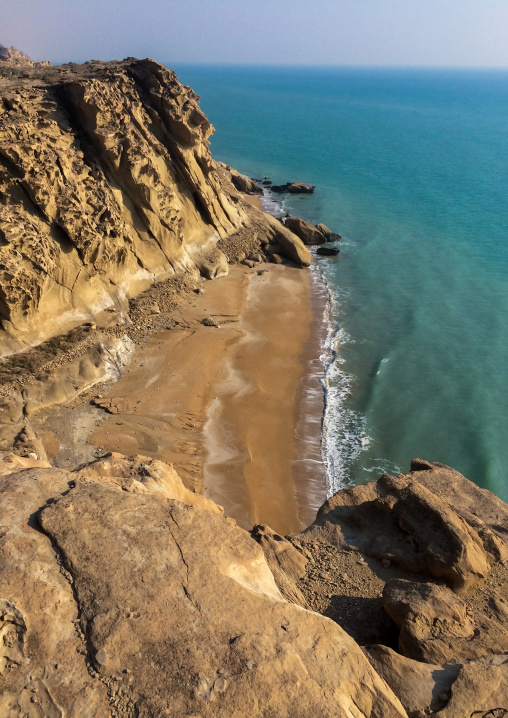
point(471, 690)
point(119, 600)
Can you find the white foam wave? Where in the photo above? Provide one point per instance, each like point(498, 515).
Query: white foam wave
point(271, 204)
point(344, 434)
point(344, 431)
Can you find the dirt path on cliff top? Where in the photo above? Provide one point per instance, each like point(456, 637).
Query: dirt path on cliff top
point(220, 402)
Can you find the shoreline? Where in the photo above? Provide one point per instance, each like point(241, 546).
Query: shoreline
point(257, 364)
point(236, 406)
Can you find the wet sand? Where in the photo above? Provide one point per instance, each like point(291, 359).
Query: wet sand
point(223, 404)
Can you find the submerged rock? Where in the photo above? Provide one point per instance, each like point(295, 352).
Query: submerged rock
point(328, 251)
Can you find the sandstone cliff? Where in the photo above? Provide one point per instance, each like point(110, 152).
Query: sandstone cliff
point(107, 183)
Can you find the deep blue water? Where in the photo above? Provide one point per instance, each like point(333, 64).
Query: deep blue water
point(411, 167)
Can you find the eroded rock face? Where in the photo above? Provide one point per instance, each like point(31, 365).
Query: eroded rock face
point(106, 182)
point(120, 599)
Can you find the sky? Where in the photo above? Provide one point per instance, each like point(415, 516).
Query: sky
point(422, 33)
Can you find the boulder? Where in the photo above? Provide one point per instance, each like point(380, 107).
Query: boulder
point(430, 618)
point(328, 251)
point(305, 230)
point(403, 520)
point(291, 246)
point(244, 184)
point(327, 233)
point(300, 187)
point(420, 687)
point(478, 689)
point(213, 264)
point(436, 627)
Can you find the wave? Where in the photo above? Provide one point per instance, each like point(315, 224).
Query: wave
point(343, 431)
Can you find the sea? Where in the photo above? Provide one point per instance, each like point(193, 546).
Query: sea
point(411, 169)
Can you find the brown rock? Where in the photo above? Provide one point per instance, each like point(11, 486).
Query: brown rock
point(189, 593)
point(419, 686)
point(300, 187)
point(400, 519)
point(11, 57)
point(327, 233)
point(142, 475)
point(480, 691)
point(244, 184)
point(430, 618)
point(291, 246)
point(88, 223)
point(435, 626)
point(42, 651)
point(172, 607)
point(474, 690)
point(286, 562)
point(305, 230)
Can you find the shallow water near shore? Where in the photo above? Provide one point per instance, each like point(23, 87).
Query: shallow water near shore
point(410, 167)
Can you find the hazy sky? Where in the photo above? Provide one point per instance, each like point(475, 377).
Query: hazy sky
point(330, 32)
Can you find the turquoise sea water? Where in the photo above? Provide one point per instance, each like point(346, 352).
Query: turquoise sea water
point(411, 167)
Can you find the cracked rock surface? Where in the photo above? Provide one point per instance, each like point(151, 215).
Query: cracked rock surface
point(119, 600)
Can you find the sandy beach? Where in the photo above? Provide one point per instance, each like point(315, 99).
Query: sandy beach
point(236, 407)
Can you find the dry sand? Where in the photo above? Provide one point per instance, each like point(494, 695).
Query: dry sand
point(224, 404)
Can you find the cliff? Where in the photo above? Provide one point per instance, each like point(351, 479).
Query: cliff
point(10, 57)
point(107, 183)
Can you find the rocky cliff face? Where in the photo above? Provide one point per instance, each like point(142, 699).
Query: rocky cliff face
point(106, 183)
point(11, 57)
